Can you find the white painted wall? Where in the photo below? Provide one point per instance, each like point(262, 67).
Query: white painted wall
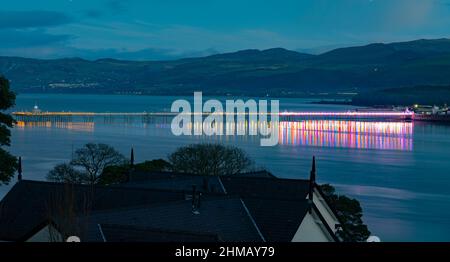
point(325, 210)
point(311, 231)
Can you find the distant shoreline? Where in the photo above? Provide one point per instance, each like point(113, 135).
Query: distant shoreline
point(327, 102)
point(316, 97)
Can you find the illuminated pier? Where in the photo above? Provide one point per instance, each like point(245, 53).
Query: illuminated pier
point(68, 116)
point(363, 130)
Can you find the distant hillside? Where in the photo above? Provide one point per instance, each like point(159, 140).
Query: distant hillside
point(249, 72)
point(425, 95)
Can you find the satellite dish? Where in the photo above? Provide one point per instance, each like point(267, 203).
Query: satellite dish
point(373, 239)
point(73, 239)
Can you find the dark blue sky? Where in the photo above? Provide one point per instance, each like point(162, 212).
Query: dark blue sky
point(165, 29)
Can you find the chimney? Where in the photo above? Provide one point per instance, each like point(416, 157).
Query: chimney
point(19, 169)
point(206, 184)
point(130, 171)
point(132, 157)
point(199, 197)
point(194, 191)
point(195, 200)
point(312, 182)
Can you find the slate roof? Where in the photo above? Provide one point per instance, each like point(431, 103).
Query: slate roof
point(278, 220)
point(123, 233)
point(275, 188)
point(260, 174)
point(138, 175)
point(256, 183)
point(246, 208)
point(178, 181)
point(225, 217)
point(278, 206)
point(30, 203)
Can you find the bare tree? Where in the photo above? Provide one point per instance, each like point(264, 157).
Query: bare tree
point(210, 159)
point(65, 173)
point(93, 158)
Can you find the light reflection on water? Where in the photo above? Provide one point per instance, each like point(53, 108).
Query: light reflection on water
point(320, 133)
point(348, 134)
point(76, 126)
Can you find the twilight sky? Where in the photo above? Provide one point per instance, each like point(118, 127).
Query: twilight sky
point(168, 29)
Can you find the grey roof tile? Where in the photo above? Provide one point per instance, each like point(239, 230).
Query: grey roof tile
point(123, 233)
point(30, 203)
point(222, 216)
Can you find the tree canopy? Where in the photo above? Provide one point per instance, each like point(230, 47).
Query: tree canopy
point(350, 213)
point(88, 164)
point(154, 165)
point(8, 163)
point(210, 159)
point(93, 158)
point(66, 173)
point(119, 174)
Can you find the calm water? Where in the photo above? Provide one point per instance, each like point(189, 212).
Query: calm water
point(399, 171)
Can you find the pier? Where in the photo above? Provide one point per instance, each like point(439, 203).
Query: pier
point(150, 117)
point(27, 116)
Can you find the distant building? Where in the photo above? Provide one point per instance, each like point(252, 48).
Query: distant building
point(430, 110)
point(170, 207)
point(36, 109)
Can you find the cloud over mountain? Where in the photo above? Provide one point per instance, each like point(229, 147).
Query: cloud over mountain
point(32, 19)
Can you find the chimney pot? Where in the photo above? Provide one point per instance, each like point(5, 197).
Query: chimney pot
point(132, 157)
point(19, 169)
point(194, 192)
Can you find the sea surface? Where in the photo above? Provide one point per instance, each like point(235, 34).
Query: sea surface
point(399, 171)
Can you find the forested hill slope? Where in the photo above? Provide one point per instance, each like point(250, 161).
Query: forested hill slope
point(249, 72)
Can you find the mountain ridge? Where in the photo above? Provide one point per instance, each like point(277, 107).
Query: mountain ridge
point(274, 71)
